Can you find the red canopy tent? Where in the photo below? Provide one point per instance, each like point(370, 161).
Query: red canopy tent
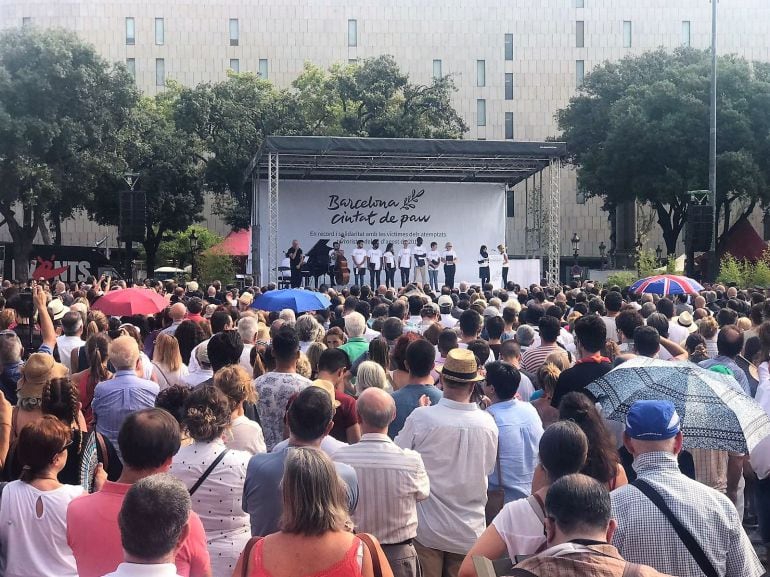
point(744, 243)
point(235, 244)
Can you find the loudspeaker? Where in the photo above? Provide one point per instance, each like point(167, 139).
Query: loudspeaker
point(699, 227)
point(133, 218)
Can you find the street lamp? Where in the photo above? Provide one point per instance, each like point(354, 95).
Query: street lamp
point(193, 250)
point(659, 255)
point(602, 253)
point(575, 246)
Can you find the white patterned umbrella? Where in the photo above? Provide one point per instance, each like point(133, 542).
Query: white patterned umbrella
point(716, 414)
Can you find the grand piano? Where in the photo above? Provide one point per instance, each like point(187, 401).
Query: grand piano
point(316, 263)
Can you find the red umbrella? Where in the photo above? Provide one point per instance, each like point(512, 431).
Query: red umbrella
point(132, 301)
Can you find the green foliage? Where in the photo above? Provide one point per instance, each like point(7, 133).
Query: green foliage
point(176, 247)
point(731, 271)
point(671, 265)
point(216, 266)
point(62, 108)
point(760, 275)
point(646, 263)
point(621, 278)
point(635, 125)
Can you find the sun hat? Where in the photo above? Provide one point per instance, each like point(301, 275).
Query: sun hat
point(652, 420)
point(57, 309)
point(685, 320)
point(445, 301)
point(460, 365)
point(327, 386)
point(36, 372)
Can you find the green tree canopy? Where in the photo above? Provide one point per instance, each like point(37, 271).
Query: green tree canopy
point(61, 110)
point(638, 129)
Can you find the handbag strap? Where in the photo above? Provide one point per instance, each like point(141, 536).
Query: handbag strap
point(538, 507)
point(247, 555)
point(207, 472)
point(373, 553)
point(684, 534)
point(497, 464)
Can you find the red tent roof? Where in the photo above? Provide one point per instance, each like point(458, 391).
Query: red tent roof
point(236, 243)
point(744, 242)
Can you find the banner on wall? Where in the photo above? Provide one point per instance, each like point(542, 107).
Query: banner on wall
point(466, 214)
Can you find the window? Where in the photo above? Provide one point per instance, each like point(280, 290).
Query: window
point(159, 31)
point(580, 40)
point(437, 70)
point(509, 86)
point(580, 4)
point(352, 32)
point(130, 32)
point(626, 34)
point(160, 72)
point(509, 46)
point(481, 73)
point(481, 112)
point(509, 125)
point(26, 21)
point(235, 32)
point(235, 65)
point(685, 33)
point(263, 68)
point(352, 61)
point(580, 72)
point(131, 66)
point(509, 201)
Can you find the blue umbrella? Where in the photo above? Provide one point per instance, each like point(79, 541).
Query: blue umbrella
point(716, 414)
point(298, 300)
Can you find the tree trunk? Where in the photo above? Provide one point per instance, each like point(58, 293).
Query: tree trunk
point(670, 235)
point(151, 244)
point(56, 223)
point(23, 236)
point(44, 234)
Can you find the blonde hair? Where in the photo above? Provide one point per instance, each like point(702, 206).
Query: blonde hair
point(97, 323)
point(547, 376)
point(313, 353)
point(235, 383)
point(560, 359)
point(708, 327)
point(7, 318)
point(303, 366)
point(167, 353)
point(314, 499)
point(370, 374)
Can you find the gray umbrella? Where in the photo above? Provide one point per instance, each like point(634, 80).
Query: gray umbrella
point(716, 414)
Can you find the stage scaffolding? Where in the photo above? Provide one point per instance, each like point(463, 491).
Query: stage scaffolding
point(406, 159)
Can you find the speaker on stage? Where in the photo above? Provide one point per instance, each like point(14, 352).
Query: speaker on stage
point(699, 228)
point(133, 218)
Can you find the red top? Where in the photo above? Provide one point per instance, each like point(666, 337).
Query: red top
point(346, 567)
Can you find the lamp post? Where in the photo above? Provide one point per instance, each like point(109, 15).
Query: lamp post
point(193, 250)
point(659, 255)
point(575, 246)
point(602, 253)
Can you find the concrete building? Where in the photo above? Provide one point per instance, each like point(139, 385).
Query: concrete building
point(515, 62)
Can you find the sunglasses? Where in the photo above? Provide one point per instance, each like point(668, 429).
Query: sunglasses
point(7, 333)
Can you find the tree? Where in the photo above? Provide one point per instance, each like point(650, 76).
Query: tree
point(61, 109)
point(176, 247)
point(170, 169)
point(638, 130)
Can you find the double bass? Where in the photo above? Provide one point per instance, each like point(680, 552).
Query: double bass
point(341, 270)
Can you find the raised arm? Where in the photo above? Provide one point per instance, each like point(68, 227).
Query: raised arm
point(44, 319)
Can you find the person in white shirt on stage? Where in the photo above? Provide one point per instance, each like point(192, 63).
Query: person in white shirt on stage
point(434, 261)
point(359, 263)
point(449, 258)
point(504, 251)
point(420, 261)
point(405, 263)
point(389, 260)
point(483, 265)
point(374, 256)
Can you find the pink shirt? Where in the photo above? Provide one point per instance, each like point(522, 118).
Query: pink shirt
point(94, 536)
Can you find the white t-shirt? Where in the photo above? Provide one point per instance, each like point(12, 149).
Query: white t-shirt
point(359, 257)
point(66, 346)
point(434, 259)
point(375, 258)
point(419, 256)
point(449, 257)
point(390, 260)
point(405, 258)
point(37, 546)
point(245, 435)
point(519, 528)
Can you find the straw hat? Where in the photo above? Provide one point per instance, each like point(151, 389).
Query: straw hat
point(36, 372)
point(57, 309)
point(329, 388)
point(460, 365)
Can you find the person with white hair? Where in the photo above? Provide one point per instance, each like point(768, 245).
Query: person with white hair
point(288, 316)
point(248, 329)
point(355, 327)
point(309, 331)
point(177, 312)
point(371, 375)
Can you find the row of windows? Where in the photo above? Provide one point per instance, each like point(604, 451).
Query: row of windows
point(481, 118)
point(580, 39)
point(160, 68)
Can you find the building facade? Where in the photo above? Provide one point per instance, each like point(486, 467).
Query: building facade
point(515, 62)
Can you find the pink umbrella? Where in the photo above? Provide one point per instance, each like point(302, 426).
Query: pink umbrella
point(132, 301)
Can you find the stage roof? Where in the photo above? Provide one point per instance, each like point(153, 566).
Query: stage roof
point(405, 159)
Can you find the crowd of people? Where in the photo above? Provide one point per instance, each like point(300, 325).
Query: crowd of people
point(399, 432)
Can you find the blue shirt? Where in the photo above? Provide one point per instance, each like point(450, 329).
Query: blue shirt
point(262, 498)
point(117, 398)
point(520, 430)
point(407, 400)
point(9, 381)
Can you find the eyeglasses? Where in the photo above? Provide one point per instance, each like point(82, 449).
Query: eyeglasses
point(66, 446)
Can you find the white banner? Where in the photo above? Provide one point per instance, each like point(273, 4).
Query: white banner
point(466, 214)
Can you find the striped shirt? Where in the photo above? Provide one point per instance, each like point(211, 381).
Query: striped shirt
point(534, 357)
point(644, 535)
point(391, 481)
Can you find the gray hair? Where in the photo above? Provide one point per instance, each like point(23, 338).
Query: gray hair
point(124, 353)
point(313, 494)
point(10, 348)
point(288, 316)
point(525, 335)
point(72, 322)
point(309, 329)
point(370, 374)
point(376, 412)
point(355, 324)
point(247, 329)
point(154, 513)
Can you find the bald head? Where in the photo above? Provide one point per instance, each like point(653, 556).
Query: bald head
point(124, 353)
point(177, 312)
point(376, 409)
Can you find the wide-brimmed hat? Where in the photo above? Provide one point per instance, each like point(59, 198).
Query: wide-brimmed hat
point(327, 386)
point(57, 309)
point(685, 320)
point(460, 365)
point(36, 372)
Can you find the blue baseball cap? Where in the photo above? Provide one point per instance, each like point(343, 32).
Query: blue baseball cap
point(652, 421)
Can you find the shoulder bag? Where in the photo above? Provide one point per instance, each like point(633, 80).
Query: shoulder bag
point(207, 472)
point(380, 565)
